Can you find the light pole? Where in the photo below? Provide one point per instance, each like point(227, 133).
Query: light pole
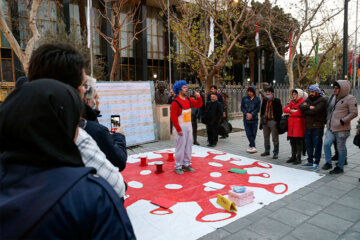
point(274, 81)
point(345, 39)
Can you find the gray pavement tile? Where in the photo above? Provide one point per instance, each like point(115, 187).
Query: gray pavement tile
point(276, 205)
point(319, 199)
point(349, 201)
point(245, 234)
point(344, 212)
point(307, 231)
point(304, 190)
point(352, 174)
point(305, 207)
point(270, 228)
point(350, 236)
point(259, 214)
point(357, 169)
point(237, 225)
point(341, 185)
point(355, 193)
point(331, 223)
point(292, 197)
point(331, 192)
point(289, 237)
point(289, 217)
point(316, 184)
point(218, 234)
point(348, 179)
point(356, 227)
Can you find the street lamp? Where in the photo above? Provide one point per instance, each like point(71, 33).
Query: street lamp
point(155, 76)
point(274, 81)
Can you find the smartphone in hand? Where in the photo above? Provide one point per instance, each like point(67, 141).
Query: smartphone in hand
point(115, 123)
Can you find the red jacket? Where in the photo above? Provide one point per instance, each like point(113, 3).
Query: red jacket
point(175, 110)
point(296, 122)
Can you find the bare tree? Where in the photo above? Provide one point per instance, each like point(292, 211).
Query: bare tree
point(23, 55)
point(190, 23)
point(313, 15)
point(123, 13)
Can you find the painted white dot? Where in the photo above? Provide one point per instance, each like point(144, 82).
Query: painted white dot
point(135, 184)
point(216, 216)
point(159, 212)
point(215, 164)
point(173, 186)
point(237, 163)
point(280, 188)
point(145, 172)
point(215, 174)
point(133, 160)
point(209, 189)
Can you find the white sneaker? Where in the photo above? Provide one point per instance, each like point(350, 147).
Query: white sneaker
point(249, 149)
point(253, 150)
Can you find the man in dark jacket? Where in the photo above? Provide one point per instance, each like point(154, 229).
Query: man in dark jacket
point(213, 114)
point(250, 107)
point(112, 145)
point(314, 108)
point(271, 111)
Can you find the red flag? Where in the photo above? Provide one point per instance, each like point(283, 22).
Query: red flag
point(290, 47)
point(350, 63)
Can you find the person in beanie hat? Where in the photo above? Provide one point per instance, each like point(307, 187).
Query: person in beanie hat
point(181, 118)
point(271, 111)
point(250, 107)
point(314, 109)
point(296, 125)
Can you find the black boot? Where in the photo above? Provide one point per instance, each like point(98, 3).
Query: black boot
point(297, 159)
point(292, 159)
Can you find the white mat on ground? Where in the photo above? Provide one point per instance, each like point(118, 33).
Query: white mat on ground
point(196, 212)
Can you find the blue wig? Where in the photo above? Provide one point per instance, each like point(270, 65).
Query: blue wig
point(177, 86)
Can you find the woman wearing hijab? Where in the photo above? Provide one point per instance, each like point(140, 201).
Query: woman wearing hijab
point(45, 190)
point(296, 125)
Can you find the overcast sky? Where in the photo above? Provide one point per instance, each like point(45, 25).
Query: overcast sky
point(292, 6)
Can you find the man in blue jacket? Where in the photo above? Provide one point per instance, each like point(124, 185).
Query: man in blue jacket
point(250, 107)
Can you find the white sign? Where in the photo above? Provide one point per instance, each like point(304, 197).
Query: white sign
point(133, 101)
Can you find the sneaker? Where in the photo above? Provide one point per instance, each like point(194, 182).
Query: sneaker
point(315, 167)
point(291, 159)
point(265, 154)
point(179, 171)
point(275, 156)
point(303, 157)
point(253, 150)
point(249, 149)
point(327, 166)
point(336, 170)
point(211, 145)
point(188, 169)
point(307, 164)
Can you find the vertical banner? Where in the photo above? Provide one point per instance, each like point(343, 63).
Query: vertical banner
point(212, 40)
point(133, 101)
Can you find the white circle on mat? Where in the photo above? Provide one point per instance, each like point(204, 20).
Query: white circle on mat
point(145, 172)
point(215, 164)
point(173, 186)
point(135, 184)
point(215, 174)
point(209, 189)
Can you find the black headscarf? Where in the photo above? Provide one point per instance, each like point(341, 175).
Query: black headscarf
point(38, 123)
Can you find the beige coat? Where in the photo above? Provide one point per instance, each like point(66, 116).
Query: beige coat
point(345, 109)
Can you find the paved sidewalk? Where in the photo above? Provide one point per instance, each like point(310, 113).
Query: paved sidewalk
point(326, 209)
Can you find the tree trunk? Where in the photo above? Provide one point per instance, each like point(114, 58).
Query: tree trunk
point(114, 66)
point(82, 18)
point(291, 75)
